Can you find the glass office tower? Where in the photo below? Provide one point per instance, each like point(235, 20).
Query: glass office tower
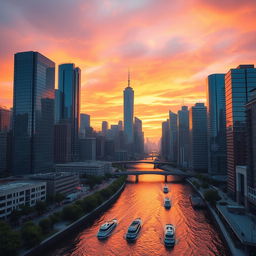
point(216, 124)
point(69, 87)
point(183, 137)
point(33, 113)
point(128, 113)
point(198, 138)
point(238, 84)
point(173, 136)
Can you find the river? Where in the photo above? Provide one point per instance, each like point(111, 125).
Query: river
point(195, 233)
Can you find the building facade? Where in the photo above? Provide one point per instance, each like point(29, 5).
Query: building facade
point(216, 113)
point(183, 137)
point(69, 105)
point(238, 84)
point(58, 182)
point(173, 136)
point(33, 113)
point(13, 195)
point(84, 124)
point(198, 138)
point(104, 128)
point(128, 113)
point(5, 119)
point(138, 137)
point(165, 140)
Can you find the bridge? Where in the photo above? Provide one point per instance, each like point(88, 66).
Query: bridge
point(165, 173)
point(142, 162)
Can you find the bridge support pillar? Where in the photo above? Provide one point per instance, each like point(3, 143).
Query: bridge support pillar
point(137, 178)
point(165, 178)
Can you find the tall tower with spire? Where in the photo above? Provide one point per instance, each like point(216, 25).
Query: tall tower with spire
point(128, 112)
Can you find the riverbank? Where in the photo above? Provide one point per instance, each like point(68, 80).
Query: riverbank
point(78, 224)
point(221, 226)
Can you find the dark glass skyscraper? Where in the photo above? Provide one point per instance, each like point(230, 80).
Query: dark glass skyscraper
point(183, 137)
point(173, 136)
point(128, 113)
point(165, 139)
point(33, 113)
point(198, 137)
point(238, 84)
point(216, 124)
point(69, 87)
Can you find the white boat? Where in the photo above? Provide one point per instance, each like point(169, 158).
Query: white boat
point(134, 230)
point(169, 235)
point(167, 203)
point(166, 190)
point(106, 229)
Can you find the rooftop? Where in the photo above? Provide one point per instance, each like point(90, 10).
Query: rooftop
point(15, 185)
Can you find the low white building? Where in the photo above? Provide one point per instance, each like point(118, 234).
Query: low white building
point(58, 182)
point(99, 168)
point(18, 193)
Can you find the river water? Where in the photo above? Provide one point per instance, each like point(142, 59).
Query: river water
point(195, 234)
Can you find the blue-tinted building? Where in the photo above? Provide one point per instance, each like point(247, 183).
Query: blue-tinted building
point(198, 138)
point(173, 136)
point(183, 137)
point(33, 113)
point(128, 113)
point(216, 124)
point(69, 87)
point(239, 83)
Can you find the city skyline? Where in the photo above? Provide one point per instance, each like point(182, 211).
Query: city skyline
point(165, 67)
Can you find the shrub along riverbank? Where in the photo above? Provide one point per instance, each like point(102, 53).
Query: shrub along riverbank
point(32, 234)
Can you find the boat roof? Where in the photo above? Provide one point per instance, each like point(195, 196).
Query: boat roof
point(169, 228)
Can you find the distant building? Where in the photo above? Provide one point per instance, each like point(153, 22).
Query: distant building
point(238, 84)
point(120, 125)
point(70, 89)
point(138, 137)
point(58, 182)
point(62, 142)
point(128, 113)
point(104, 128)
point(84, 124)
point(98, 168)
point(13, 195)
point(88, 149)
point(33, 113)
point(100, 150)
point(251, 146)
point(5, 151)
point(57, 105)
point(198, 138)
point(5, 119)
point(216, 124)
point(173, 136)
point(165, 140)
point(183, 137)
point(109, 148)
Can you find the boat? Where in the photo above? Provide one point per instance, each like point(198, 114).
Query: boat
point(134, 230)
point(167, 203)
point(166, 190)
point(106, 229)
point(169, 235)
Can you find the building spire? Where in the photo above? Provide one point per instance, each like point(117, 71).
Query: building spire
point(128, 77)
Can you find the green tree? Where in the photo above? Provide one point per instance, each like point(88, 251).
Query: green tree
point(59, 197)
point(40, 207)
point(46, 225)
point(211, 196)
point(31, 234)
point(9, 240)
point(72, 212)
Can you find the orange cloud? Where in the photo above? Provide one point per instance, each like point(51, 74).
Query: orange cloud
point(170, 47)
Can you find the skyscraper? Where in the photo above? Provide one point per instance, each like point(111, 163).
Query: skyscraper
point(238, 84)
point(128, 112)
point(216, 124)
point(5, 119)
point(138, 136)
point(183, 137)
point(104, 128)
point(198, 138)
point(69, 86)
point(173, 136)
point(165, 140)
point(84, 124)
point(33, 113)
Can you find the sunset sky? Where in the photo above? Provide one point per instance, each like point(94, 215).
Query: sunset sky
point(169, 46)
